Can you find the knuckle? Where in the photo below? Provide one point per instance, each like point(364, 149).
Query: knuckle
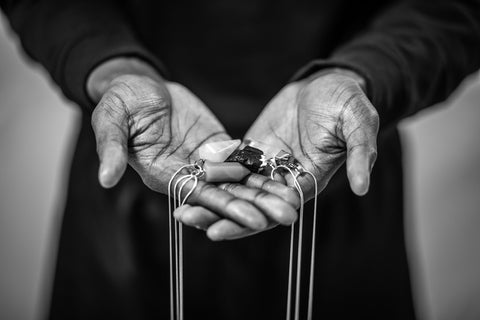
point(230, 202)
point(229, 187)
point(205, 188)
point(357, 147)
point(261, 195)
point(203, 193)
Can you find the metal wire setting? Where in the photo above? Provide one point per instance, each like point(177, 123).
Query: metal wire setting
point(187, 177)
point(175, 200)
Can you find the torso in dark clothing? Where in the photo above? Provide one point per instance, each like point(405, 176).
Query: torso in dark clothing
point(113, 255)
point(236, 55)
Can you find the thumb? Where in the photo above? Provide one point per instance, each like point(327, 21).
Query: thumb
point(111, 134)
point(360, 129)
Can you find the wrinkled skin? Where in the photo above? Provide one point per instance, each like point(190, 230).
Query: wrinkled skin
point(156, 127)
point(323, 121)
point(161, 139)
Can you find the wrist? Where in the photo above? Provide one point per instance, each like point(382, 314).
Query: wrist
point(342, 72)
point(102, 76)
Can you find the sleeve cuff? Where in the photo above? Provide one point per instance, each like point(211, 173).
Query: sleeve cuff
point(322, 64)
point(382, 76)
point(91, 51)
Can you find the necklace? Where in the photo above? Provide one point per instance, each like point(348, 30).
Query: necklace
point(231, 161)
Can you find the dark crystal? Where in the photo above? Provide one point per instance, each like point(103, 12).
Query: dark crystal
point(249, 156)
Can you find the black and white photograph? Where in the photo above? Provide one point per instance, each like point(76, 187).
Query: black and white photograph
point(240, 160)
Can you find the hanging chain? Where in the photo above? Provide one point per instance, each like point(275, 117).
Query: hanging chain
point(194, 172)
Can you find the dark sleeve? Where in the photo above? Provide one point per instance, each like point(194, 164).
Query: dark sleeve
point(70, 38)
point(413, 55)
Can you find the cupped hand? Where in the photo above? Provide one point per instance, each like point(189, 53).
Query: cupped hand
point(323, 121)
point(157, 127)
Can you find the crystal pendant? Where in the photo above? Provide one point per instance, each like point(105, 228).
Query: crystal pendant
point(218, 151)
point(224, 171)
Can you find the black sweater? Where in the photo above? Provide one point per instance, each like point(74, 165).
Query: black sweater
point(236, 56)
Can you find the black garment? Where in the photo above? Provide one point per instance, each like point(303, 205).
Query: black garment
point(112, 261)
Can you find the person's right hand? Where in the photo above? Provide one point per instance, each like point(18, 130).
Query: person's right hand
point(157, 127)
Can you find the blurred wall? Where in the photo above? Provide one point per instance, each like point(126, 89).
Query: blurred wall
point(442, 147)
point(36, 131)
point(37, 128)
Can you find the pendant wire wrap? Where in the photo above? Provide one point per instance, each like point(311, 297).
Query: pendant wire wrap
point(176, 234)
point(191, 174)
point(295, 173)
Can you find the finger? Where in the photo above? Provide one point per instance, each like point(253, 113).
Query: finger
point(289, 194)
point(195, 216)
point(361, 149)
point(111, 137)
point(226, 205)
point(358, 169)
point(273, 206)
point(228, 230)
point(277, 176)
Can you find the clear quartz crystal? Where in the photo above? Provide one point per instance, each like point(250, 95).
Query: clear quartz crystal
point(218, 151)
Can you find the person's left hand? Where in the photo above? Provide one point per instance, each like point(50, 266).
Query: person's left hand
point(322, 121)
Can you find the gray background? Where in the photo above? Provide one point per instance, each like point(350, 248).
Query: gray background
point(37, 128)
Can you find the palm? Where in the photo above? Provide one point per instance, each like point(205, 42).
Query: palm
point(158, 127)
point(164, 138)
point(308, 120)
